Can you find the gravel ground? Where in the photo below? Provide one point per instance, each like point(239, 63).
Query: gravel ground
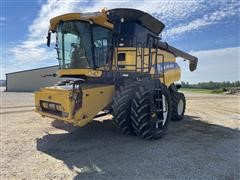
point(205, 145)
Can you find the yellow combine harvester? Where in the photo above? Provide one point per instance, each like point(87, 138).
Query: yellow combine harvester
point(114, 61)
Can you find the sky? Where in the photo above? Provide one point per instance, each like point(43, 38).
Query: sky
point(206, 29)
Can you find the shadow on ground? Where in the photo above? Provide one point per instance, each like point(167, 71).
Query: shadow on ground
point(191, 149)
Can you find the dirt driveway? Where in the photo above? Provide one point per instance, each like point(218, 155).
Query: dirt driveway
point(205, 145)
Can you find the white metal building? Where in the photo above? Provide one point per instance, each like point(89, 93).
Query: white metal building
point(31, 80)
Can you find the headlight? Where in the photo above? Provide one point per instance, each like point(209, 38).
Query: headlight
point(52, 106)
point(45, 105)
point(59, 107)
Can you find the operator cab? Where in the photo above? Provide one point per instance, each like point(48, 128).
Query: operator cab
point(82, 40)
point(82, 45)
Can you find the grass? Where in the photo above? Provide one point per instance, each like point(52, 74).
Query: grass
point(204, 91)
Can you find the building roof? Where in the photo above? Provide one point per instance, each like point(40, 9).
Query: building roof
point(32, 69)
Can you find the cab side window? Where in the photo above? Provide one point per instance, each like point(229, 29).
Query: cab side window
point(102, 42)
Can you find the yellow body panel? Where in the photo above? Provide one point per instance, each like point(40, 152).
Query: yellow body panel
point(94, 98)
point(169, 77)
point(131, 57)
point(54, 95)
point(99, 97)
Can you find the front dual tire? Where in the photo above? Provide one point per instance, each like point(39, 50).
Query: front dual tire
point(121, 109)
point(145, 122)
point(133, 111)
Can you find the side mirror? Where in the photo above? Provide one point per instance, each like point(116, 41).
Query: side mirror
point(49, 39)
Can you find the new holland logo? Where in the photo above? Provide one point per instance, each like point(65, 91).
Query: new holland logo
point(163, 67)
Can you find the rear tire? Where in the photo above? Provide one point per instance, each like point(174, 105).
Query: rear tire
point(143, 121)
point(178, 106)
point(121, 108)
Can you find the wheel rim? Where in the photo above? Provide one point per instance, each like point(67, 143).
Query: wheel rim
point(165, 110)
point(180, 107)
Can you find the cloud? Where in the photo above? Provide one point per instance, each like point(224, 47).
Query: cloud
point(165, 11)
point(229, 10)
point(33, 48)
point(215, 65)
point(2, 20)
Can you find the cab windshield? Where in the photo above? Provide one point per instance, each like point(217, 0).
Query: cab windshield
point(82, 45)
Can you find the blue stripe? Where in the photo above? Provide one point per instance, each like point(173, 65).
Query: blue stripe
point(166, 66)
